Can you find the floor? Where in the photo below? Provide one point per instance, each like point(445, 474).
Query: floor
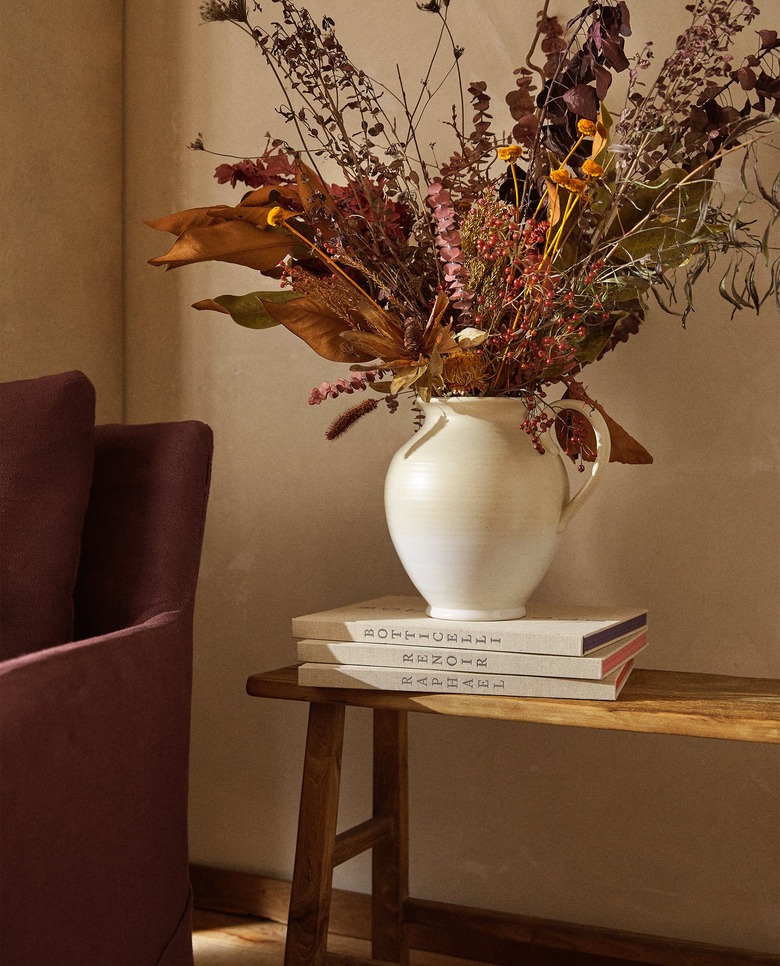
point(220, 940)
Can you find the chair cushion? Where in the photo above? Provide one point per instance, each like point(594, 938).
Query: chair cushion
point(46, 459)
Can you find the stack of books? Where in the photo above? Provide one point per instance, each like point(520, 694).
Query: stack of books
point(391, 644)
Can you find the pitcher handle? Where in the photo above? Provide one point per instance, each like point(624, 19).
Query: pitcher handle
point(603, 450)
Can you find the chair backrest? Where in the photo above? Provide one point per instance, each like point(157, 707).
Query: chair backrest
point(144, 524)
point(46, 453)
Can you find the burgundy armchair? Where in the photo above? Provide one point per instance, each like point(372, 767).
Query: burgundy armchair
point(101, 538)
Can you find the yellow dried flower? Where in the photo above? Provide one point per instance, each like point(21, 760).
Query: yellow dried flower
point(510, 152)
point(592, 168)
point(565, 178)
point(277, 216)
point(586, 127)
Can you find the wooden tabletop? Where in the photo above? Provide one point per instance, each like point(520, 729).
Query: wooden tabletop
point(661, 702)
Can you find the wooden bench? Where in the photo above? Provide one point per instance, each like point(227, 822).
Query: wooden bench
point(661, 702)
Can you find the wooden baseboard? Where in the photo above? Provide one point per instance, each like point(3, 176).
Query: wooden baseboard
point(245, 894)
point(491, 937)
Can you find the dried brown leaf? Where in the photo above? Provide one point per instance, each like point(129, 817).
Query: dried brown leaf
point(377, 346)
point(317, 326)
point(236, 242)
point(625, 449)
point(189, 218)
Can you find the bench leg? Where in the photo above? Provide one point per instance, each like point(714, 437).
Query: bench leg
point(390, 861)
point(307, 927)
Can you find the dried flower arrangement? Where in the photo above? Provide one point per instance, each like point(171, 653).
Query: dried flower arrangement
point(523, 257)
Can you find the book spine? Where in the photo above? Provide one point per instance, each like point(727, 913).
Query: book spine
point(382, 632)
point(599, 638)
point(398, 679)
point(441, 659)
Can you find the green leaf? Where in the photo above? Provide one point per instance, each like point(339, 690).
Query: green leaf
point(248, 310)
point(628, 288)
point(593, 345)
point(671, 241)
point(668, 195)
point(723, 288)
point(750, 286)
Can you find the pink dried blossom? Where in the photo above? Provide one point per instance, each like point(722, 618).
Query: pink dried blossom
point(357, 382)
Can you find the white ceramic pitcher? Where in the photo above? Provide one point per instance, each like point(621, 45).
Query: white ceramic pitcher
point(475, 512)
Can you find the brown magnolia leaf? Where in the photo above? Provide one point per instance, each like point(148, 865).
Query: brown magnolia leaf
point(625, 449)
point(310, 184)
point(382, 323)
point(435, 364)
point(377, 345)
point(251, 214)
point(189, 218)
point(317, 326)
point(235, 242)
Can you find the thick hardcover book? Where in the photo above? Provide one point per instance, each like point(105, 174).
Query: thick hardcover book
point(438, 659)
point(461, 682)
point(403, 620)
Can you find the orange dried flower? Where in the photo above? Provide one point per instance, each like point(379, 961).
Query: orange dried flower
point(592, 168)
point(586, 127)
point(510, 152)
point(565, 178)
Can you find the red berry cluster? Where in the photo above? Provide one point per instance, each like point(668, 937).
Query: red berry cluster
point(502, 239)
point(538, 421)
point(572, 435)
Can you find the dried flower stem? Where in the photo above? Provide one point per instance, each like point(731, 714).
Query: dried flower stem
point(331, 264)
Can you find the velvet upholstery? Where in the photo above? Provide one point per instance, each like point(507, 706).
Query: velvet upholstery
point(94, 734)
point(46, 429)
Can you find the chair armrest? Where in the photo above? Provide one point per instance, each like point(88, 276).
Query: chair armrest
point(94, 747)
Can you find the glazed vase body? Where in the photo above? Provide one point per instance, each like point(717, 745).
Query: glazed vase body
point(475, 512)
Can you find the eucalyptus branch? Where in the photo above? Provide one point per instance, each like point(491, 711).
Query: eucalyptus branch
point(541, 18)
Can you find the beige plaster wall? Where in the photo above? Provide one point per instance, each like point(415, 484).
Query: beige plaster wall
point(61, 193)
point(647, 833)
